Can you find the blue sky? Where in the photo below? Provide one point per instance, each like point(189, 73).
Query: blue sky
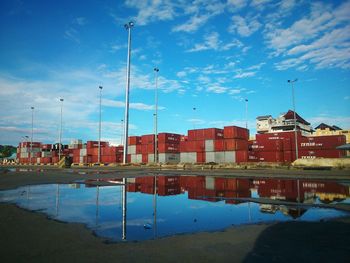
point(211, 55)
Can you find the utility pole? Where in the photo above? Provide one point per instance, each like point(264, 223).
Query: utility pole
point(156, 70)
point(295, 119)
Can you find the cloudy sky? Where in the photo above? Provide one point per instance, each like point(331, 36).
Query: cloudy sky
point(211, 55)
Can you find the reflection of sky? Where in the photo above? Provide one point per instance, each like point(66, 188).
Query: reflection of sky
point(101, 210)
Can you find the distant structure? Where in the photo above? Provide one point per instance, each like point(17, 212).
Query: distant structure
point(325, 129)
point(285, 122)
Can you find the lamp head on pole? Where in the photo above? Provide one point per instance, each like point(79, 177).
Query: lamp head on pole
point(156, 69)
point(292, 81)
point(32, 108)
point(246, 100)
point(129, 25)
point(100, 87)
point(62, 100)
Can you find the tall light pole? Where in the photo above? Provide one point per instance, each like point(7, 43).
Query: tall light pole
point(156, 70)
point(60, 137)
point(246, 113)
point(31, 138)
point(128, 27)
point(122, 132)
point(194, 116)
point(99, 129)
point(295, 119)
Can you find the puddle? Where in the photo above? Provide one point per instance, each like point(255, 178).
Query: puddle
point(142, 208)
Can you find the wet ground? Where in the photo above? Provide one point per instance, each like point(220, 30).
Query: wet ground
point(252, 203)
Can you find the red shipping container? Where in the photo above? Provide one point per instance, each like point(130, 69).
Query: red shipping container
point(168, 180)
point(219, 145)
point(320, 154)
point(200, 157)
point(236, 144)
point(241, 156)
point(168, 190)
point(183, 138)
point(147, 139)
point(119, 158)
point(169, 138)
point(266, 145)
point(139, 149)
point(27, 144)
point(134, 140)
point(235, 132)
point(94, 144)
point(46, 146)
point(194, 135)
point(271, 156)
point(168, 148)
point(54, 159)
point(193, 146)
point(92, 151)
point(147, 148)
point(321, 142)
point(213, 134)
point(145, 158)
point(279, 135)
point(108, 159)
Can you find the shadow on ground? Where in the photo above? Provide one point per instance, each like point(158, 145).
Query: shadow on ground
point(302, 242)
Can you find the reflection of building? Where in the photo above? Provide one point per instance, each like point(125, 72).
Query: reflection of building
point(285, 122)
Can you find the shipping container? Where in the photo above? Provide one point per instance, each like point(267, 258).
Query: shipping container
point(147, 139)
point(168, 148)
point(188, 157)
point(235, 144)
point(134, 140)
point(235, 132)
point(169, 138)
point(205, 134)
point(94, 144)
point(169, 158)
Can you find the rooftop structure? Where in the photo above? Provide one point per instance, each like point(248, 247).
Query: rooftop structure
point(285, 122)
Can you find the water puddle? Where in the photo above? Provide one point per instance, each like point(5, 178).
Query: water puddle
point(151, 207)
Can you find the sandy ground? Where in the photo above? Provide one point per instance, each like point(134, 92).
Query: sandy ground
point(30, 237)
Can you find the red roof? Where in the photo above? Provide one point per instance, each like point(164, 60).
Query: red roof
point(290, 116)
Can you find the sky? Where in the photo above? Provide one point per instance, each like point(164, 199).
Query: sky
point(211, 55)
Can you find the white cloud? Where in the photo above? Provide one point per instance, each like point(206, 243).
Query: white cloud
point(340, 121)
point(247, 74)
point(192, 24)
point(151, 11)
point(244, 26)
point(81, 21)
point(72, 34)
point(320, 38)
point(236, 5)
point(217, 89)
point(212, 42)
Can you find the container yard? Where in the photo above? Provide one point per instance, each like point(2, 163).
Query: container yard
point(230, 145)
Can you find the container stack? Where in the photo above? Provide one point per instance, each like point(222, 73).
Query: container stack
point(228, 145)
point(47, 153)
point(92, 151)
point(169, 147)
point(280, 147)
point(134, 149)
point(27, 154)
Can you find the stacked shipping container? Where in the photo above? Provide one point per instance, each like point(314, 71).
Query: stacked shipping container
point(228, 145)
point(280, 147)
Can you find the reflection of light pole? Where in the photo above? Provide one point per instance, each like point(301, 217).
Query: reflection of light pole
point(57, 199)
point(246, 113)
point(60, 139)
point(156, 70)
point(295, 119)
point(99, 129)
point(155, 208)
point(126, 118)
point(31, 139)
point(97, 203)
point(124, 209)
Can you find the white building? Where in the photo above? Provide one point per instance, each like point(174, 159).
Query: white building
point(285, 122)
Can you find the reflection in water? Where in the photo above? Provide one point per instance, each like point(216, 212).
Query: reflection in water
point(120, 209)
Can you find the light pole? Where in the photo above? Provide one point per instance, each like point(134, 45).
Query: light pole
point(99, 129)
point(156, 70)
point(122, 133)
point(194, 116)
point(60, 137)
point(31, 138)
point(246, 113)
point(128, 27)
point(295, 119)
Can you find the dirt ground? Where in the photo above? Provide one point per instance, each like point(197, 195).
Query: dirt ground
point(31, 237)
